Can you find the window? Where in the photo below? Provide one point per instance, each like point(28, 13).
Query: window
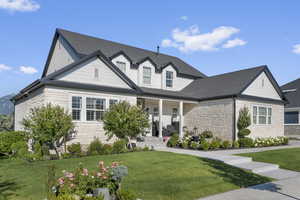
point(262, 82)
point(291, 117)
point(76, 108)
point(262, 115)
point(155, 111)
point(112, 102)
point(169, 79)
point(146, 75)
point(174, 111)
point(122, 66)
point(96, 73)
point(94, 109)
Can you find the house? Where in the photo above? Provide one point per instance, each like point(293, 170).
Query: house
point(292, 108)
point(86, 75)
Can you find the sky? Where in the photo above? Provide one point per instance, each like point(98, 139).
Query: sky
point(212, 35)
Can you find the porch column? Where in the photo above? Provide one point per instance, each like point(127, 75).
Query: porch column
point(160, 118)
point(181, 119)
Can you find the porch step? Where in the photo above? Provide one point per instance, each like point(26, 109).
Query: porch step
point(258, 167)
point(150, 141)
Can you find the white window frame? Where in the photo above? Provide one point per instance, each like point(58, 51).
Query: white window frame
point(119, 63)
point(268, 115)
point(171, 79)
point(147, 76)
point(95, 109)
point(77, 109)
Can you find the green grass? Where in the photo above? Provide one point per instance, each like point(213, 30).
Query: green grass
point(152, 175)
point(285, 158)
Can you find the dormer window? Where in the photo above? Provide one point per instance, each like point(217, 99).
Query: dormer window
point(169, 79)
point(147, 75)
point(121, 66)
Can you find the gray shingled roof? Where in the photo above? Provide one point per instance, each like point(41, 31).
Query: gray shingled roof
point(85, 45)
point(293, 97)
point(229, 84)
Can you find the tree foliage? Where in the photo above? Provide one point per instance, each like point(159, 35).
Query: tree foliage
point(49, 125)
point(125, 121)
point(244, 119)
point(8, 138)
point(6, 123)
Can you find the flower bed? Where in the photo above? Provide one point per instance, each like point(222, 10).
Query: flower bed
point(82, 184)
point(202, 143)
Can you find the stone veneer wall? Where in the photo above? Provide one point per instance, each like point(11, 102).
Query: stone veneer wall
point(268, 130)
point(214, 115)
point(291, 130)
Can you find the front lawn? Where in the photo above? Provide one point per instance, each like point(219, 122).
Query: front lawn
point(152, 175)
point(285, 158)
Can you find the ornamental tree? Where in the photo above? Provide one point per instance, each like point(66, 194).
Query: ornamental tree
point(244, 121)
point(125, 121)
point(49, 125)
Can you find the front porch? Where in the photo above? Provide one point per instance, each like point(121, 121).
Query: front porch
point(166, 116)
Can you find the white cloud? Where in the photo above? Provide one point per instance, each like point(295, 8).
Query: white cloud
point(19, 5)
point(184, 18)
point(191, 39)
point(4, 67)
point(28, 70)
point(233, 43)
point(296, 49)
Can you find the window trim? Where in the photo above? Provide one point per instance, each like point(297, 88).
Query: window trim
point(291, 124)
point(80, 109)
point(257, 115)
point(150, 76)
point(95, 109)
point(121, 62)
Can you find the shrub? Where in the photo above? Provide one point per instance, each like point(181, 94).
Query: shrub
point(95, 147)
point(244, 119)
point(226, 144)
point(125, 195)
point(107, 149)
point(8, 138)
point(146, 148)
point(20, 150)
point(194, 145)
point(206, 134)
point(270, 141)
point(204, 145)
point(243, 133)
point(285, 141)
point(185, 144)
point(119, 146)
point(246, 142)
point(215, 144)
point(173, 141)
point(236, 144)
point(75, 149)
point(65, 197)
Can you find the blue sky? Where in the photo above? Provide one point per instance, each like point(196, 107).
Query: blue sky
point(214, 36)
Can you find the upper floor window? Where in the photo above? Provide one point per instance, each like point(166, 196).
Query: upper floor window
point(76, 108)
point(262, 115)
point(169, 79)
point(147, 75)
point(291, 117)
point(96, 73)
point(95, 109)
point(122, 66)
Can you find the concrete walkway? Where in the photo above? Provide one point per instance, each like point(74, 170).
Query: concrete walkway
point(288, 184)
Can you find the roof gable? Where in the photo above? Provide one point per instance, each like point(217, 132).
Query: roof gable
point(293, 95)
point(85, 45)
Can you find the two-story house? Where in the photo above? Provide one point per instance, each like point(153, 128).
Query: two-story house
point(86, 75)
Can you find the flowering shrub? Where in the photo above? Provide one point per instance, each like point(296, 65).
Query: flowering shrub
point(270, 141)
point(82, 181)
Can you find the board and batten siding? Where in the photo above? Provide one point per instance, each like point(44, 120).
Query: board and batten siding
point(86, 131)
point(62, 56)
point(262, 87)
point(276, 128)
point(23, 106)
point(85, 73)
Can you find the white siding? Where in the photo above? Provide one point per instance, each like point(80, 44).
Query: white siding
point(131, 73)
point(61, 57)
point(178, 82)
point(86, 131)
point(276, 128)
point(84, 73)
point(262, 87)
point(22, 107)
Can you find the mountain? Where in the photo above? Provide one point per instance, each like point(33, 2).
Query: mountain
point(6, 106)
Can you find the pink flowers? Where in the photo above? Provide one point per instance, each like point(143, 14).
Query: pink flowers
point(61, 181)
point(85, 172)
point(69, 175)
